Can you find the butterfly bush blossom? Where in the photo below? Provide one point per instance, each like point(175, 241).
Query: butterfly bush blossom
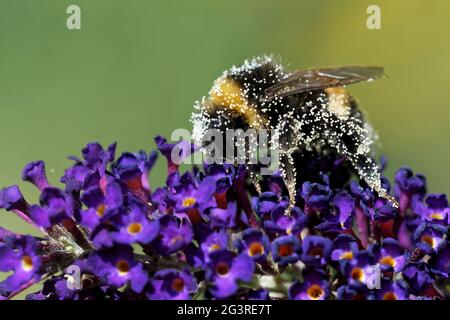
point(208, 234)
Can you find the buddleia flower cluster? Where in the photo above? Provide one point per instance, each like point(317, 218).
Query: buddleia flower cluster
point(208, 234)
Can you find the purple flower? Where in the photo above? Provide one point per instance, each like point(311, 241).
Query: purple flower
point(175, 153)
point(417, 276)
point(74, 177)
point(96, 158)
point(254, 243)
point(382, 209)
point(392, 290)
point(223, 175)
point(351, 293)
point(131, 242)
point(79, 284)
point(440, 263)
point(360, 193)
point(171, 284)
point(100, 203)
point(135, 226)
point(275, 184)
point(117, 267)
point(194, 256)
point(286, 249)
point(131, 165)
point(34, 172)
point(373, 207)
point(345, 248)
point(175, 234)
point(225, 270)
point(210, 240)
point(101, 236)
point(430, 238)
point(435, 210)
point(407, 186)
point(56, 289)
point(84, 172)
point(359, 269)
point(341, 217)
point(161, 201)
point(284, 224)
point(226, 218)
point(55, 207)
point(12, 199)
point(316, 250)
point(317, 196)
point(390, 255)
point(194, 199)
point(265, 204)
point(133, 170)
point(315, 286)
point(20, 256)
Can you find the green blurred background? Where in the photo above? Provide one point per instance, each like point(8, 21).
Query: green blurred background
point(136, 67)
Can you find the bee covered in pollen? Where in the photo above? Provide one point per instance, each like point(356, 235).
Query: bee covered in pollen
point(306, 110)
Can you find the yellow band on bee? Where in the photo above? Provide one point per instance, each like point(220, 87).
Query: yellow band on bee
point(228, 94)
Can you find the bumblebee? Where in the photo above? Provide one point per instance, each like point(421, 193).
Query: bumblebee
point(307, 110)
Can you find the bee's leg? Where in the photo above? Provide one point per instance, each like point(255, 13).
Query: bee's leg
point(358, 139)
point(288, 171)
point(383, 193)
point(368, 170)
point(257, 185)
point(349, 134)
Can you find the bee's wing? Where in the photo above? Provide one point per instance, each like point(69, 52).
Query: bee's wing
point(316, 79)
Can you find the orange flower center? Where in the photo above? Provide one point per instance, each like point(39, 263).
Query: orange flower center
point(348, 255)
point(357, 274)
point(101, 210)
point(315, 251)
point(388, 260)
point(27, 263)
point(285, 250)
point(389, 296)
point(437, 216)
point(214, 247)
point(178, 284)
point(189, 202)
point(315, 292)
point(222, 268)
point(256, 248)
point(123, 267)
point(428, 240)
point(134, 228)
